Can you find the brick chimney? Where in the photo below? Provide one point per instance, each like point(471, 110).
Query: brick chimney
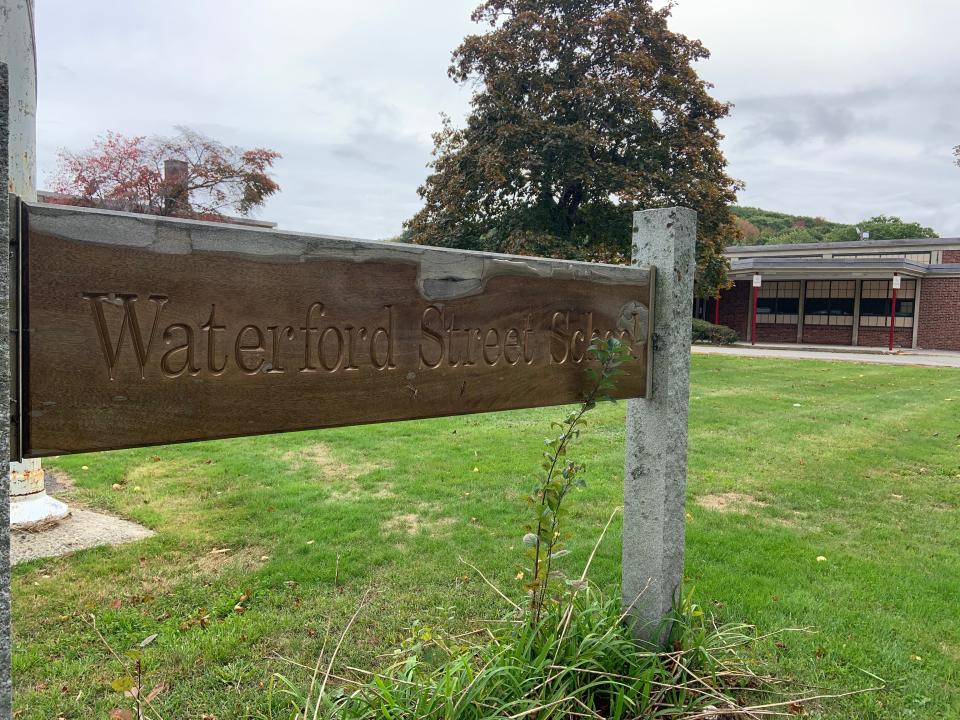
point(175, 186)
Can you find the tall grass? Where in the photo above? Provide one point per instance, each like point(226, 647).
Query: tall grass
point(579, 660)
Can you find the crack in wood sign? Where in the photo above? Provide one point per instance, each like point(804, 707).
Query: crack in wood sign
point(138, 330)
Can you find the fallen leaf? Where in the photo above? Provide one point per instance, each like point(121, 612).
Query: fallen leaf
point(116, 603)
point(84, 467)
point(147, 640)
point(916, 658)
point(157, 689)
point(821, 558)
point(120, 714)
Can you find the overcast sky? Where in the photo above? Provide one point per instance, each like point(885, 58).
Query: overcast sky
point(844, 108)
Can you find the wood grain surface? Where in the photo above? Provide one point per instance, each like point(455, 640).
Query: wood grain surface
point(143, 331)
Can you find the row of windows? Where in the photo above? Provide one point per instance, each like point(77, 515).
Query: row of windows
point(831, 302)
point(920, 257)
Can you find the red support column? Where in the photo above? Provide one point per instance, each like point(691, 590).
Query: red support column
point(716, 309)
point(893, 311)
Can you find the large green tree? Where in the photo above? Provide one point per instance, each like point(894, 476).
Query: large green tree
point(883, 227)
point(584, 110)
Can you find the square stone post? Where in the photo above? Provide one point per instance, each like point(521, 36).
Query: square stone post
point(6, 690)
point(655, 473)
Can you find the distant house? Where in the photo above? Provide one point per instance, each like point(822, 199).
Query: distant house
point(840, 293)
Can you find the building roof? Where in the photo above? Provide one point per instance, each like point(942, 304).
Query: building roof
point(857, 246)
point(920, 257)
point(852, 268)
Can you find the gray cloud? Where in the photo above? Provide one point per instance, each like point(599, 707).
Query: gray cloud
point(831, 118)
point(793, 123)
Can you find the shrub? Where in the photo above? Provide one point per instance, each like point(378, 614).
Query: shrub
point(704, 331)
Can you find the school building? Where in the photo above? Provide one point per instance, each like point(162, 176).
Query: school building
point(842, 293)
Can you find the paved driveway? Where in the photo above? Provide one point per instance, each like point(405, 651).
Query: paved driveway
point(905, 357)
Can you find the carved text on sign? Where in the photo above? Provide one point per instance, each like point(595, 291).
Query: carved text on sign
point(324, 343)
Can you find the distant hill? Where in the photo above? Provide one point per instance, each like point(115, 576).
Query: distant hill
point(765, 227)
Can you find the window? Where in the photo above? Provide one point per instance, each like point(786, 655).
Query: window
point(779, 302)
point(875, 303)
point(829, 302)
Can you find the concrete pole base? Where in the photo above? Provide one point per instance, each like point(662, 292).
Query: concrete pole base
point(29, 502)
point(36, 509)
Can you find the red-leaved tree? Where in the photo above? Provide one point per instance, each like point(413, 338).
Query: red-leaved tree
point(187, 175)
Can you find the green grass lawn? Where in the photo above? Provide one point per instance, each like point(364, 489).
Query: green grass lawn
point(789, 462)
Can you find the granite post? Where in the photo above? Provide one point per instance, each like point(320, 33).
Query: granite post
point(655, 473)
point(6, 691)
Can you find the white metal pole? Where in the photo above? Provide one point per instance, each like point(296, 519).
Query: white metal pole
point(29, 503)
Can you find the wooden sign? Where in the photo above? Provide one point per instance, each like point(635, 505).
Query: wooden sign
point(138, 330)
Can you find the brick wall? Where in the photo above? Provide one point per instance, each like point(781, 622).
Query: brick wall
point(880, 337)
point(951, 256)
point(776, 333)
point(828, 334)
point(735, 312)
point(939, 314)
point(734, 308)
